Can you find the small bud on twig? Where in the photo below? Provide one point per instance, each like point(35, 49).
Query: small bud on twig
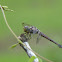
point(6, 8)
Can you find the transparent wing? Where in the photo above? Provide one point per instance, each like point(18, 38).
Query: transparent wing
point(38, 37)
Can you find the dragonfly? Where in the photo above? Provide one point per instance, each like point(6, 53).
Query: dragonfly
point(29, 29)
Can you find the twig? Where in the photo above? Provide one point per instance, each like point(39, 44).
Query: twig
point(8, 24)
point(17, 37)
point(28, 51)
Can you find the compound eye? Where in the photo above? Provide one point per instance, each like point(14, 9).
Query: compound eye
point(26, 26)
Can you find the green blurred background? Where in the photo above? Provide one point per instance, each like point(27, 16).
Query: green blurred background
point(46, 15)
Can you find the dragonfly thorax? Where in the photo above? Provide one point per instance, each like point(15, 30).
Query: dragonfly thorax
point(31, 29)
point(28, 29)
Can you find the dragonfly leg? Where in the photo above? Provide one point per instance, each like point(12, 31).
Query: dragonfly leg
point(28, 35)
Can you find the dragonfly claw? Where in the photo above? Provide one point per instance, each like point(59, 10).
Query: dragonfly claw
point(60, 46)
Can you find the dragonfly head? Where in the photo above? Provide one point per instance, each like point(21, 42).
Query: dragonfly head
point(26, 29)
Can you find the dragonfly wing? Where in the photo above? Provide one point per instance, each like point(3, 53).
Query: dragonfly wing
point(38, 37)
point(34, 32)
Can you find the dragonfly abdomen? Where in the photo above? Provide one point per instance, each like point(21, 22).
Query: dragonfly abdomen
point(43, 35)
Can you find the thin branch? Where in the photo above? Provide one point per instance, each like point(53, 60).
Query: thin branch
point(17, 37)
point(7, 23)
point(29, 52)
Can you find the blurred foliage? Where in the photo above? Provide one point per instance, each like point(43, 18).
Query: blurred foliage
point(46, 15)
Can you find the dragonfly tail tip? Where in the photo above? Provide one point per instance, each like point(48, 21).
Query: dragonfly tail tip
point(60, 46)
